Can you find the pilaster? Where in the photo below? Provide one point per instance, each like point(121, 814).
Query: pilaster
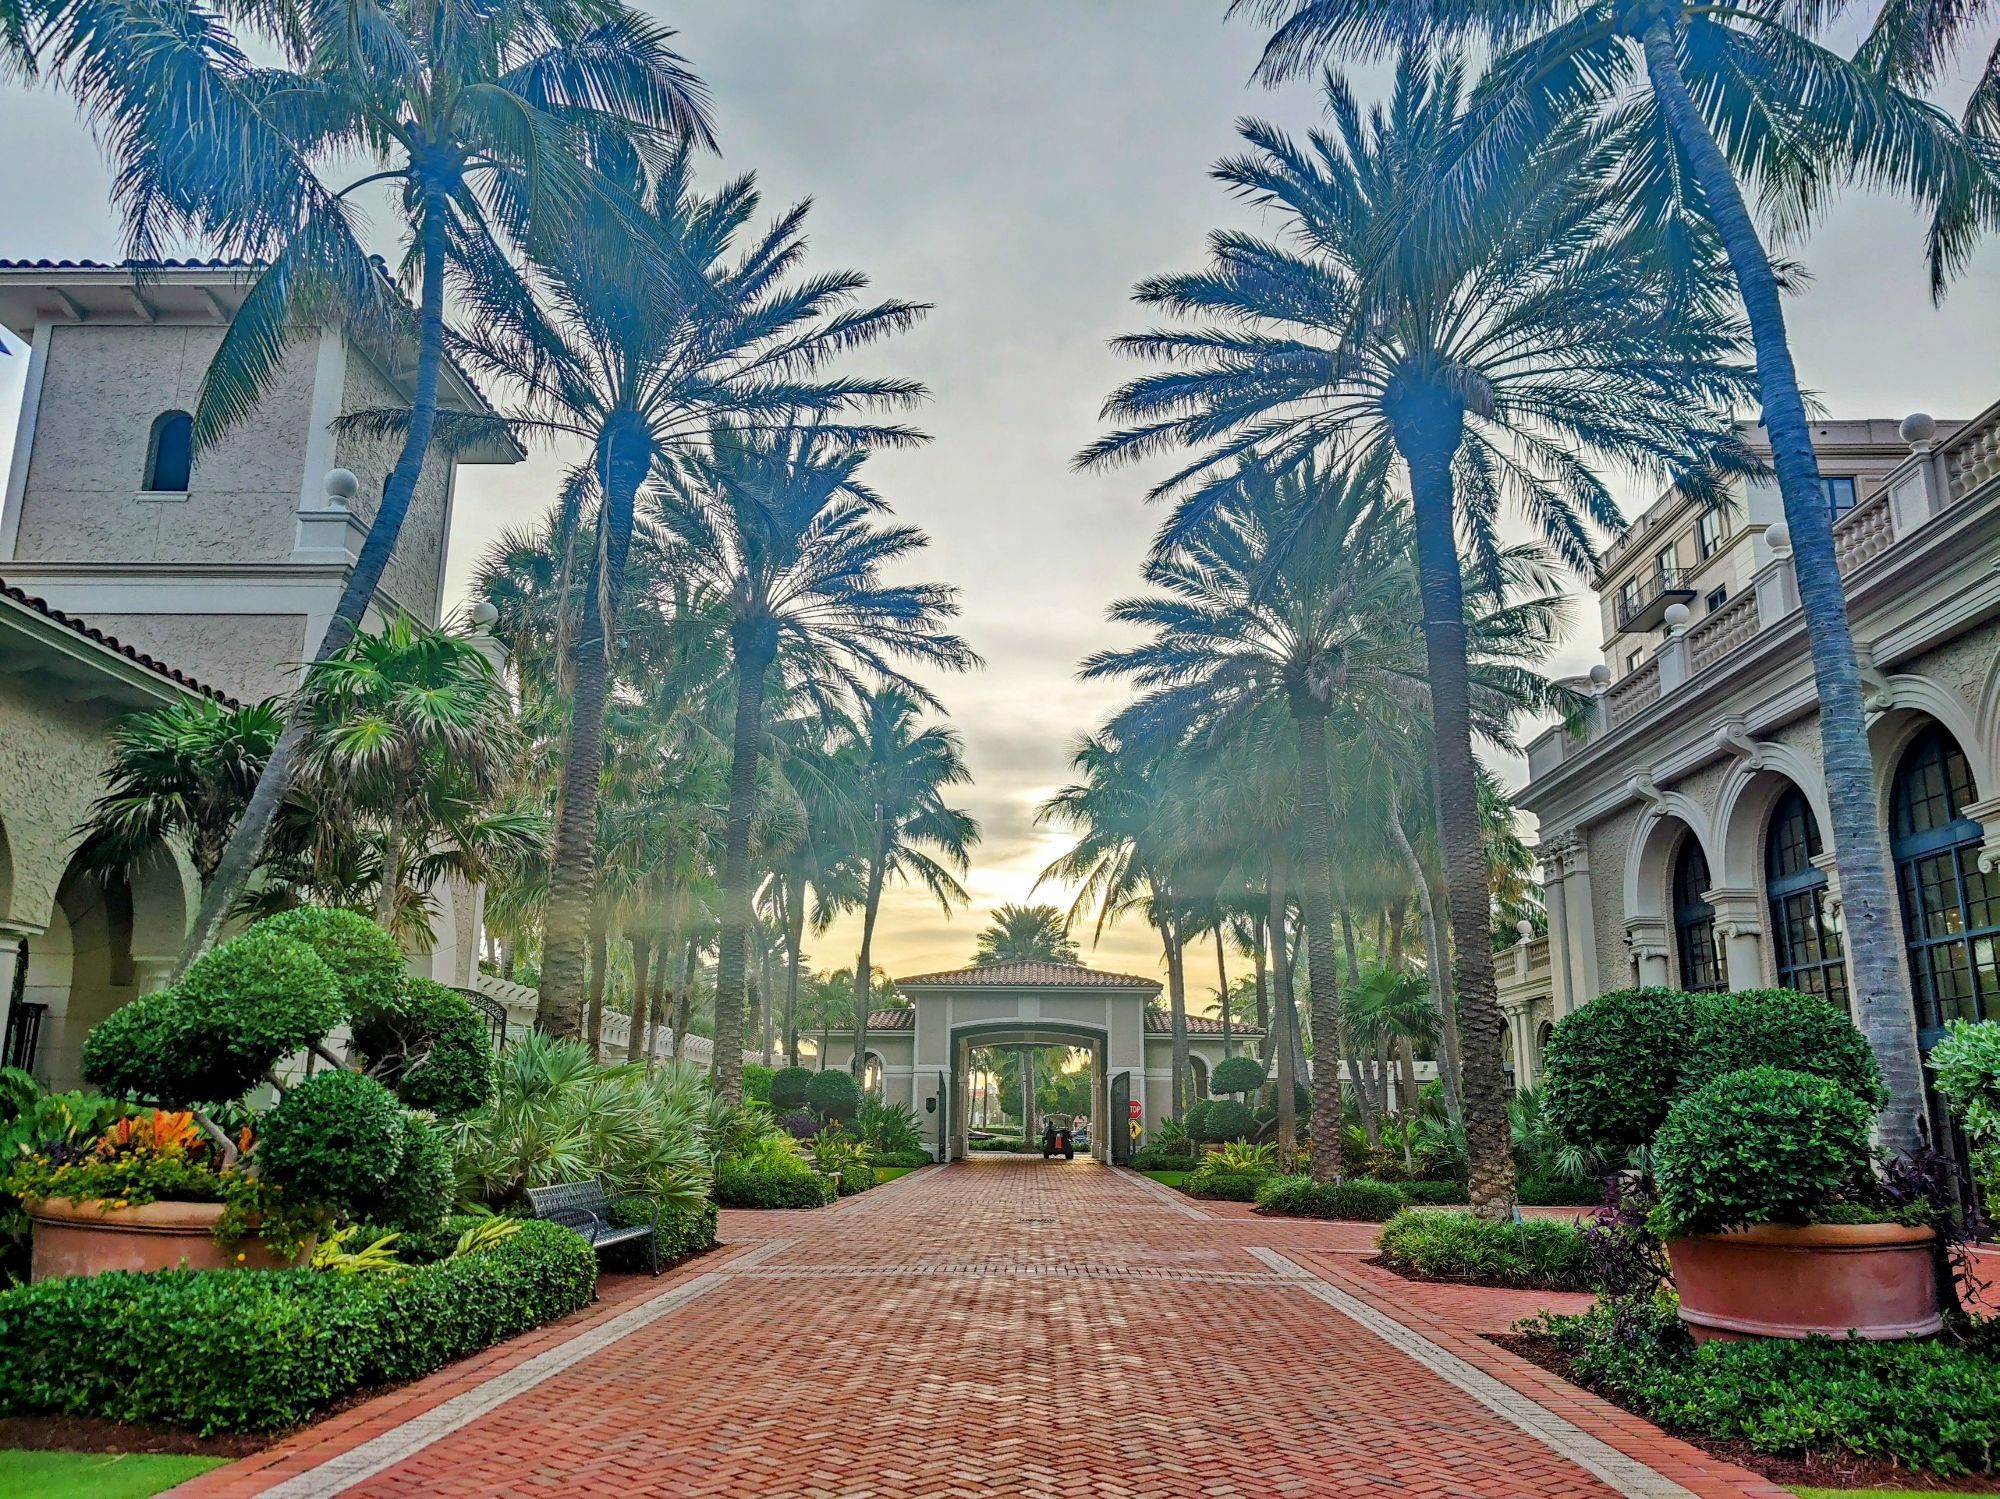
point(1739, 932)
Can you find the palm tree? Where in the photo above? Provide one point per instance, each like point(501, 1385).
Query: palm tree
point(1296, 595)
point(181, 774)
point(1730, 95)
point(1481, 328)
point(902, 771)
point(781, 530)
point(818, 878)
point(486, 120)
point(1026, 934)
point(636, 368)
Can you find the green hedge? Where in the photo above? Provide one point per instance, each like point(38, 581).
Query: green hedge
point(1179, 1156)
point(1224, 1186)
point(738, 1185)
point(1543, 1254)
point(1357, 1198)
point(1442, 1194)
point(1550, 1192)
point(1930, 1405)
point(238, 1350)
point(684, 1232)
point(905, 1158)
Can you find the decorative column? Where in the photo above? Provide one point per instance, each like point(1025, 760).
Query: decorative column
point(11, 936)
point(1576, 961)
point(1555, 898)
point(1739, 932)
point(1647, 937)
point(1987, 814)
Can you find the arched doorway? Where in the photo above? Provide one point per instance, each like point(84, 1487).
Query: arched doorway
point(1028, 1036)
point(1951, 910)
point(1695, 952)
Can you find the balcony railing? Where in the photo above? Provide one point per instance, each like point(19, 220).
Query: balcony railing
point(1643, 606)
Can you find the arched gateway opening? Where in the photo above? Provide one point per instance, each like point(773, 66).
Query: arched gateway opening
point(928, 1050)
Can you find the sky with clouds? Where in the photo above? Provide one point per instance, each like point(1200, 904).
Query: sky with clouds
point(1020, 164)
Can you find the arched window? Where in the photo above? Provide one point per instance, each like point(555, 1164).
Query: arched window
point(1951, 912)
point(170, 453)
point(1694, 919)
point(1805, 938)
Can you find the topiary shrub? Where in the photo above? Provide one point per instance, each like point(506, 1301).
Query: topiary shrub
point(1356, 1198)
point(788, 1088)
point(1538, 1254)
point(834, 1095)
point(1778, 1028)
point(418, 1195)
point(1763, 1145)
point(427, 1043)
point(1237, 1075)
point(1225, 1119)
point(1612, 1067)
point(1195, 1119)
point(365, 959)
point(772, 1184)
point(337, 1138)
point(237, 1012)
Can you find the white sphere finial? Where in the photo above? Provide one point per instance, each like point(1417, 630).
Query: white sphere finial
point(1778, 537)
point(1526, 928)
point(1676, 616)
point(340, 485)
point(1600, 676)
point(484, 615)
point(1918, 429)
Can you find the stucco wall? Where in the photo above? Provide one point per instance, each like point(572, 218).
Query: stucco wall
point(249, 656)
point(103, 388)
point(415, 569)
point(52, 755)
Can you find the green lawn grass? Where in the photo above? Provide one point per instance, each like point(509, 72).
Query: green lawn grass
point(890, 1173)
point(1879, 1494)
point(1167, 1178)
point(95, 1475)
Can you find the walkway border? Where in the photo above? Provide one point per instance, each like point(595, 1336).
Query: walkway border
point(1175, 1200)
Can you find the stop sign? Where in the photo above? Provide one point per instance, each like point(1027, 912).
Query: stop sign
point(1133, 1108)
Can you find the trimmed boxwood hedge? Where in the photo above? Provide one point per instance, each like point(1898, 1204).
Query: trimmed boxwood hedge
point(1443, 1194)
point(739, 1185)
point(1359, 1198)
point(1176, 1157)
point(1224, 1186)
point(1549, 1192)
point(1542, 1254)
point(243, 1350)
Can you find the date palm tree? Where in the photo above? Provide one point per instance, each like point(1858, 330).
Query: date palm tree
point(635, 368)
point(484, 122)
point(901, 771)
point(1297, 594)
point(780, 529)
point(1481, 329)
point(1707, 98)
point(1026, 934)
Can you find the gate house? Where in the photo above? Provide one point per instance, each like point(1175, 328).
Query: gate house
point(924, 1052)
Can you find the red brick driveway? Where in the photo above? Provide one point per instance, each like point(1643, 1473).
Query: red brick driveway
point(1003, 1328)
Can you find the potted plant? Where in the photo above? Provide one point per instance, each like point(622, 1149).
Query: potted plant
point(1768, 1206)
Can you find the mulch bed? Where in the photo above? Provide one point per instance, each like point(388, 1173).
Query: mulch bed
point(91, 1434)
point(1830, 1471)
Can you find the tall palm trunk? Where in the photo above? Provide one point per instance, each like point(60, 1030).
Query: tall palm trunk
point(1170, 936)
point(753, 658)
point(1282, 1038)
point(684, 1001)
point(1222, 984)
point(642, 999)
point(246, 844)
point(864, 969)
point(1877, 979)
point(1030, 1104)
point(1315, 816)
point(1364, 1093)
point(1263, 978)
point(795, 938)
point(1428, 425)
point(1440, 975)
point(662, 956)
point(600, 966)
point(624, 454)
point(392, 857)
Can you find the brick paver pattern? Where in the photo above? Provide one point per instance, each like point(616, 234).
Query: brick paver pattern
point(1001, 1328)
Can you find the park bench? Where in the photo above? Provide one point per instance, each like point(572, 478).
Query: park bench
point(587, 1208)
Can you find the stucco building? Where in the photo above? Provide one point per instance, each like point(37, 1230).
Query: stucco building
point(135, 571)
point(1681, 832)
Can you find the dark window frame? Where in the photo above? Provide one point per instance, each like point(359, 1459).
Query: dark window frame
point(1806, 947)
point(170, 454)
point(1695, 950)
point(1950, 909)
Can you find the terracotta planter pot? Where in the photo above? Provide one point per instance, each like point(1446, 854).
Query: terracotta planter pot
point(85, 1238)
point(1836, 1280)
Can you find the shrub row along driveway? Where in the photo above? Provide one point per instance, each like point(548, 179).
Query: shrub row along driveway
point(1004, 1328)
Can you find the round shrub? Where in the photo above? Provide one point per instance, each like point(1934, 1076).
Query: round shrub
point(427, 1043)
point(365, 959)
point(235, 1014)
point(336, 1139)
point(1227, 1119)
point(788, 1088)
point(1356, 1198)
point(1237, 1075)
point(1195, 1120)
point(834, 1095)
point(1613, 1066)
point(1763, 1145)
point(419, 1194)
point(1778, 1028)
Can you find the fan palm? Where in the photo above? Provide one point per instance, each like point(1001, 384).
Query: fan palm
point(1026, 934)
point(1480, 336)
point(902, 771)
point(636, 368)
point(485, 119)
point(1707, 98)
point(780, 529)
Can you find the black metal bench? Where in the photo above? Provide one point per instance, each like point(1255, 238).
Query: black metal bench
point(587, 1208)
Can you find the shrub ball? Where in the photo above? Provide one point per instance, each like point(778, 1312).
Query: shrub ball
point(1237, 1075)
point(367, 960)
point(834, 1095)
point(335, 1139)
point(429, 1044)
point(788, 1088)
